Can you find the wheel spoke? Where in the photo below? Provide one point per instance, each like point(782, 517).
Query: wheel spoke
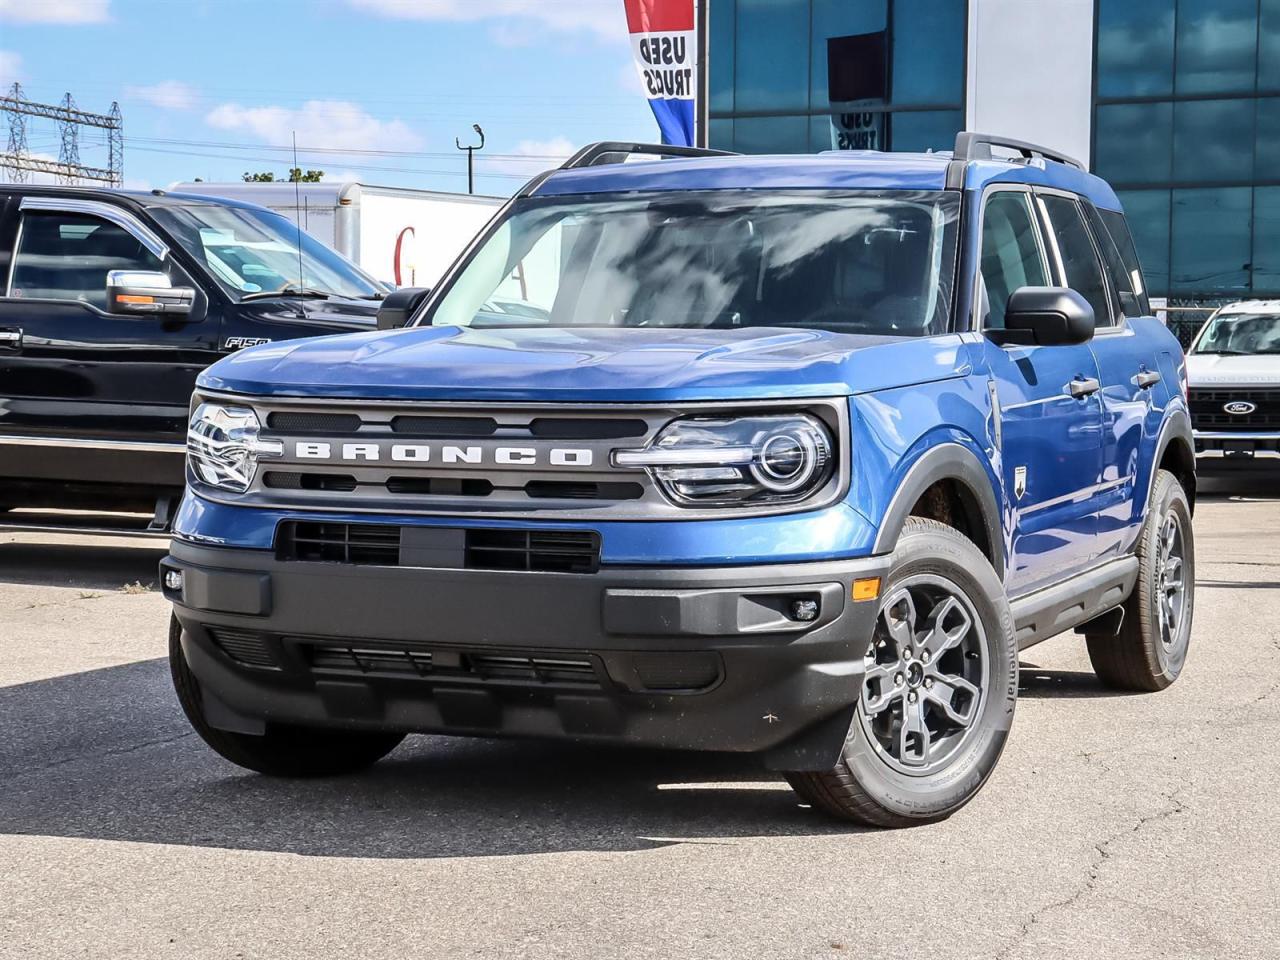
point(942, 639)
point(879, 678)
point(943, 693)
point(913, 738)
point(1173, 570)
point(900, 620)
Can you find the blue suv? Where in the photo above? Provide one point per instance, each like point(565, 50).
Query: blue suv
point(782, 455)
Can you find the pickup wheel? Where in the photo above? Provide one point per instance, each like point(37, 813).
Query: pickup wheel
point(284, 750)
point(1151, 648)
point(938, 692)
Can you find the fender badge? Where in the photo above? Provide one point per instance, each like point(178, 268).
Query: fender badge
point(1019, 482)
point(239, 343)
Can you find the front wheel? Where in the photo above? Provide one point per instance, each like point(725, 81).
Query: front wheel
point(283, 750)
point(1151, 648)
point(938, 691)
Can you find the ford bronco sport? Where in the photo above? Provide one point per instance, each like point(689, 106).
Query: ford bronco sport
point(787, 455)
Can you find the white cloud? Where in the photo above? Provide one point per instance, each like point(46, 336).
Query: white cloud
point(318, 123)
point(602, 17)
point(530, 157)
point(10, 69)
point(55, 11)
point(167, 94)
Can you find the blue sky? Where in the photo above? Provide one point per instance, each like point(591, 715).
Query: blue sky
point(209, 87)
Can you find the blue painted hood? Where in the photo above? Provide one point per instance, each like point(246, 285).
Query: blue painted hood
point(589, 364)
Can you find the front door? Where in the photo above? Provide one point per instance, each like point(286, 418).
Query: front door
point(1049, 412)
point(85, 390)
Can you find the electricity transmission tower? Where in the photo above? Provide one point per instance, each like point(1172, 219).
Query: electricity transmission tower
point(16, 162)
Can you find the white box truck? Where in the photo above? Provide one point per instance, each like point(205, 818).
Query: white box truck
point(401, 236)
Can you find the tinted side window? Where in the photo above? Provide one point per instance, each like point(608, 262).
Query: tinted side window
point(1118, 229)
point(1079, 259)
point(1121, 284)
point(1011, 255)
point(66, 256)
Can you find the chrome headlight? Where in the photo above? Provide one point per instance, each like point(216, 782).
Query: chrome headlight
point(780, 458)
point(223, 446)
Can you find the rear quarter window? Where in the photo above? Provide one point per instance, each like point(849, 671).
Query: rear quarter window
point(1118, 229)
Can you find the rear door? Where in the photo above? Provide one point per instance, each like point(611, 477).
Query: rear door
point(79, 382)
point(1048, 410)
point(1131, 372)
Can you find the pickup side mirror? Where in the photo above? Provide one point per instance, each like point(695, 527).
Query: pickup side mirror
point(399, 306)
point(134, 292)
point(1046, 317)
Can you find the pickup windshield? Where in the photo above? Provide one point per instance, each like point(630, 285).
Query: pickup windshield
point(879, 263)
point(1240, 334)
point(255, 253)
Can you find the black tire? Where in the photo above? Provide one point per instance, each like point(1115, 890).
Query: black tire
point(283, 751)
point(869, 785)
point(1150, 650)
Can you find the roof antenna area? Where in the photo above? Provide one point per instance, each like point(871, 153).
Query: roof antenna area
point(296, 173)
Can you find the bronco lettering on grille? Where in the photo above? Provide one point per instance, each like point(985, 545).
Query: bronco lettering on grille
point(448, 454)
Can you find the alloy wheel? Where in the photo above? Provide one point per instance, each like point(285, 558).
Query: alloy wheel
point(925, 670)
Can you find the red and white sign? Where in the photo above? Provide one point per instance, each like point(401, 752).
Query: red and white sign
point(665, 47)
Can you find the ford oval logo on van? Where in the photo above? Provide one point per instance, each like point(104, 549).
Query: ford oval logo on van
point(1240, 407)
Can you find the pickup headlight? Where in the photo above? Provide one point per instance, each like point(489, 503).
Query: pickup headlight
point(743, 460)
point(223, 446)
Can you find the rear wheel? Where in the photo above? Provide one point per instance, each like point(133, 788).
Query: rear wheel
point(938, 691)
point(284, 750)
point(1150, 650)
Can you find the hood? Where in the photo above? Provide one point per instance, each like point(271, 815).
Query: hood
point(1212, 369)
point(592, 364)
point(337, 312)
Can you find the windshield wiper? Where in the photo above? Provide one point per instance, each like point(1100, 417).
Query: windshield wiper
point(1222, 353)
point(286, 292)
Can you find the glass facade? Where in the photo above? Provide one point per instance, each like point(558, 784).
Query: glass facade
point(799, 76)
point(1187, 129)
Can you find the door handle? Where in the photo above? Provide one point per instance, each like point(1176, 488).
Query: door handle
point(1083, 387)
point(10, 339)
point(1147, 379)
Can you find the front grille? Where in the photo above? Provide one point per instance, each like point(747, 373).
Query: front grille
point(556, 551)
point(356, 543)
point(1207, 411)
point(288, 422)
point(296, 480)
point(244, 646)
point(389, 545)
point(428, 663)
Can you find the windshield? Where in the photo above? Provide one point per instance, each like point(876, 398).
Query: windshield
point(256, 252)
point(1240, 333)
point(852, 263)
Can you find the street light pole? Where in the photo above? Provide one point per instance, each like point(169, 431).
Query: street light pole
point(471, 151)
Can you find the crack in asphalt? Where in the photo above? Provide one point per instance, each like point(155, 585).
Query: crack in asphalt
point(1102, 851)
point(123, 751)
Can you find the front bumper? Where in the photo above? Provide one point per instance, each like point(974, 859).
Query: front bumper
point(689, 658)
point(1232, 452)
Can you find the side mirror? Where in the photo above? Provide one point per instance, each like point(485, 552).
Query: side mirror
point(132, 292)
point(399, 306)
point(1046, 317)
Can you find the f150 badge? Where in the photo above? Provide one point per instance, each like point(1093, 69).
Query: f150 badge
point(239, 343)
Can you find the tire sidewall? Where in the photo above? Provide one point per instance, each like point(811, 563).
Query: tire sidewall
point(1168, 496)
point(934, 549)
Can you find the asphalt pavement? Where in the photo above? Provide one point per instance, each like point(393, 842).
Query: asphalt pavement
point(1115, 825)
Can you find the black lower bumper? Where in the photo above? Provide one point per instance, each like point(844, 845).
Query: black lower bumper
point(690, 658)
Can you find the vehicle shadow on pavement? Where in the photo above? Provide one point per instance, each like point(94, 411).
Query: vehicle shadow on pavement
point(90, 567)
point(107, 754)
point(1037, 683)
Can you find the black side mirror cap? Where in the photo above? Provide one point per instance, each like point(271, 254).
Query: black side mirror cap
point(1046, 317)
point(399, 306)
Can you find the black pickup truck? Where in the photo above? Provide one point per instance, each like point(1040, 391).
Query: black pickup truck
point(112, 302)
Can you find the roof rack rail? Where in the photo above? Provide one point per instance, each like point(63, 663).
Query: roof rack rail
point(977, 146)
point(617, 151)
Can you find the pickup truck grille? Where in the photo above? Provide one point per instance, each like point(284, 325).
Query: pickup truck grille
point(1208, 409)
point(390, 545)
point(519, 461)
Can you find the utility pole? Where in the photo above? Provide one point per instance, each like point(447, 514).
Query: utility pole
point(471, 152)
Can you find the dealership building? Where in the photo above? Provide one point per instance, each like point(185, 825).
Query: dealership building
point(1175, 102)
